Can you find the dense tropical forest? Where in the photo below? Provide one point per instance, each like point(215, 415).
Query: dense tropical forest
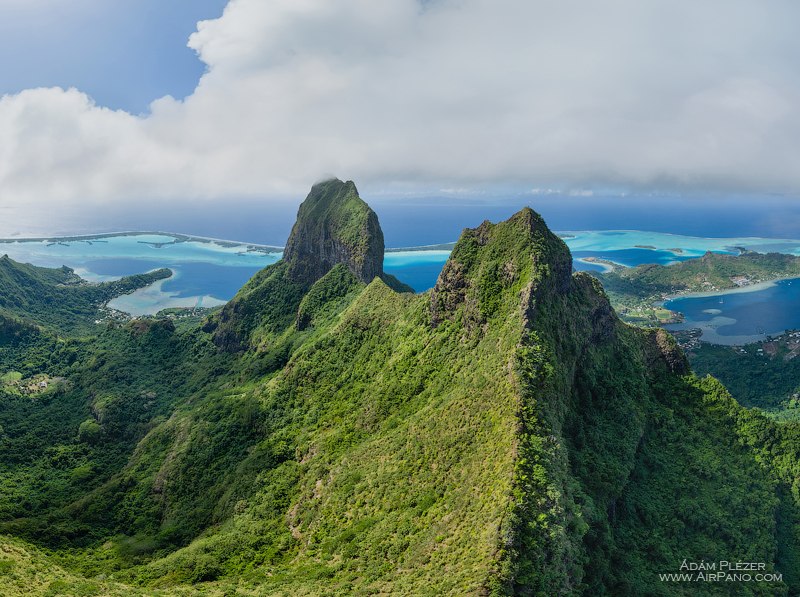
point(712, 271)
point(59, 299)
point(330, 432)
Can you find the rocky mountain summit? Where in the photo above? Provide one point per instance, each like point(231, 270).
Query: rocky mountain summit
point(334, 225)
point(335, 245)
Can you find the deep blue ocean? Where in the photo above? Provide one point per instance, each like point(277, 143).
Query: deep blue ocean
point(416, 221)
point(418, 270)
point(222, 281)
point(198, 279)
point(420, 277)
point(195, 279)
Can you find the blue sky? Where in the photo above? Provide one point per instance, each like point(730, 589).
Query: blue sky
point(124, 54)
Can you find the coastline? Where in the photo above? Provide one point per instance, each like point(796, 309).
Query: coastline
point(573, 234)
point(670, 241)
point(678, 244)
point(710, 335)
point(709, 328)
point(425, 255)
point(606, 264)
point(154, 298)
point(736, 290)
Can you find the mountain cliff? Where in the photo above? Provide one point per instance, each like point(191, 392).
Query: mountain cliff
point(334, 225)
point(504, 433)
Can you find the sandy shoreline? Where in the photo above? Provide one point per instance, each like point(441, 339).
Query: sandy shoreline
point(604, 264)
point(737, 290)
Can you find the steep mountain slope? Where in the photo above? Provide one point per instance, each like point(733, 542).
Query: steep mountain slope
point(503, 433)
point(764, 374)
point(334, 225)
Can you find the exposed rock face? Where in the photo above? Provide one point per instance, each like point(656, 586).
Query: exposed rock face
point(492, 257)
point(334, 225)
point(663, 349)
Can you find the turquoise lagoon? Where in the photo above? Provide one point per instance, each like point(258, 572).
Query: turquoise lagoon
point(743, 315)
point(208, 272)
point(634, 247)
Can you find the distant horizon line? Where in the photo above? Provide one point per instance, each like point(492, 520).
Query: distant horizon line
point(186, 237)
point(268, 248)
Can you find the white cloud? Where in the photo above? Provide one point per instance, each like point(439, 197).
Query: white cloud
point(446, 94)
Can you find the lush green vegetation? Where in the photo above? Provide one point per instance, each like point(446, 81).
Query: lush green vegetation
point(712, 271)
point(762, 374)
point(334, 225)
point(503, 433)
point(634, 290)
point(59, 298)
point(766, 379)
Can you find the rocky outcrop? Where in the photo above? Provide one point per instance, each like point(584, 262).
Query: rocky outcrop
point(662, 350)
point(334, 225)
point(492, 257)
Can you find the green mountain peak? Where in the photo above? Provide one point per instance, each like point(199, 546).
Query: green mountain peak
point(335, 244)
point(494, 257)
point(334, 225)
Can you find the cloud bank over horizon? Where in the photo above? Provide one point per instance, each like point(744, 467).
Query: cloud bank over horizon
point(435, 95)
